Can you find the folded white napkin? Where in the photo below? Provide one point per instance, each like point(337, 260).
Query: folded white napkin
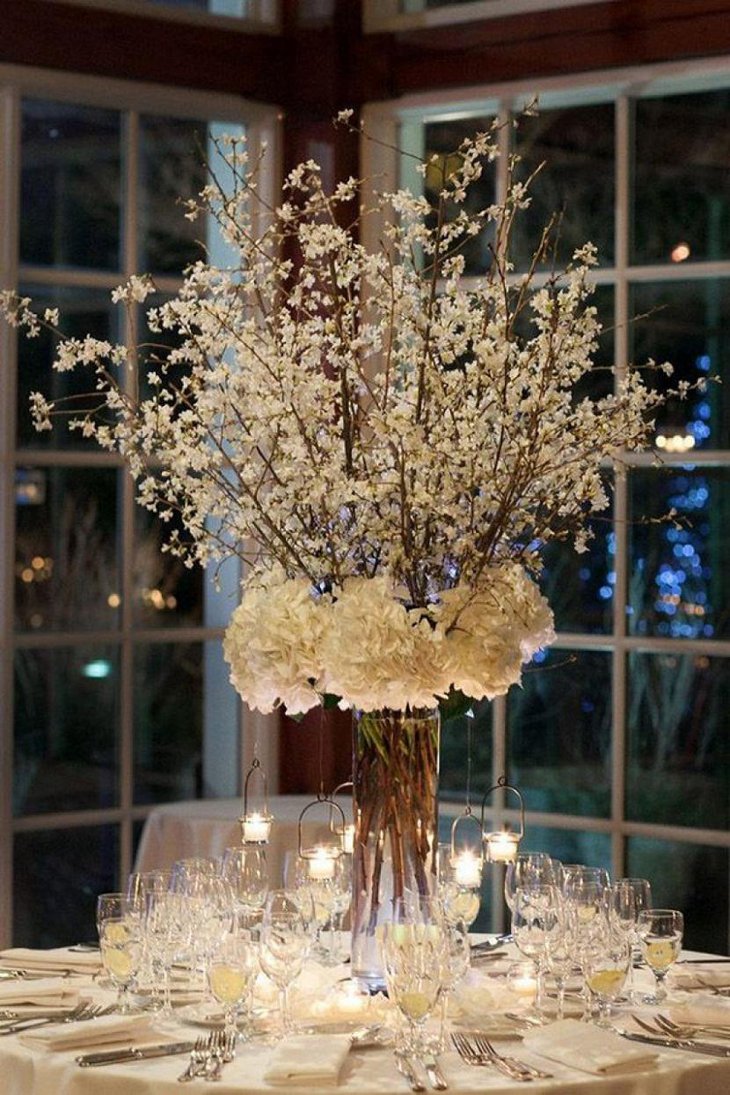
point(588, 1049)
point(699, 976)
point(47, 991)
point(308, 1059)
point(106, 1030)
point(702, 1011)
point(58, 959)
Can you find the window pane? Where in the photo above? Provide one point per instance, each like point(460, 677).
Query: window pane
point(58, 875)
point(677, 740)
point(66, 569)
point(681, 156)
point(688, 324)
point(442, 140)
point(690, 877)
point(70, 185)
point(168, 705)
point(172, 157)
point(569, 845)
point(66, 713)
point(559, 726)
point(456, 734)
point(576, 145)
point(678, 568)
point(166, 592)
point(83, 311)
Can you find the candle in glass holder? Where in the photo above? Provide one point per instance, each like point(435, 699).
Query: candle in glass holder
point(521, 979)
point(255, 828)
point(502, 846)
point(348, 839)
point(467, 869)
point(321, 864)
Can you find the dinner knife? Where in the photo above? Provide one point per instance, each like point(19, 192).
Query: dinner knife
point(690, 1046)
point(436, 1077)
point(406, 1068)
point(134, 1053)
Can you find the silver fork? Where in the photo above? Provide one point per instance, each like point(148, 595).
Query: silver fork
point(79, 1013)
point(485, 1046)
point(198, 1060)
point(687, 1030)
point(469, 1053)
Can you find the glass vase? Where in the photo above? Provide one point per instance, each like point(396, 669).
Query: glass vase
point(395, 808)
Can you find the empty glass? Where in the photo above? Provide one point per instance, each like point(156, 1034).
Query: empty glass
point(626, 899)
point(285, 943)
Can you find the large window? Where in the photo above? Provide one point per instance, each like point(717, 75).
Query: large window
point(619, 737)
point(115, 696)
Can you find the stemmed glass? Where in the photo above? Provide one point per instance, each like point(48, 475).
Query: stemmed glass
point(627, 898)
point(537, 909)
point(244, 869)
point(530, 869)
point(285, 942)
point(607, 963)
point(232, 968)
point(660, 932)
point(168, 932)
point(118, 924)
point(460, 903)
point(457, 956)
point(415, 957)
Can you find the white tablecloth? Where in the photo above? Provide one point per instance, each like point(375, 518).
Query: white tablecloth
point(207, 828)
point(24, 1071)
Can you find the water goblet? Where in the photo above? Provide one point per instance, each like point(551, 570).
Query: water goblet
point(285, 942)
point(414, 957)
point(118, 924)
point(244, 869)
point(660, 932)
point(607, 962)
point(626, 899)
point(232, 968)
point(536, 910)
point(536, 868)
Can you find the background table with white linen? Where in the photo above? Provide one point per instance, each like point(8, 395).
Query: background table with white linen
point(206, 828)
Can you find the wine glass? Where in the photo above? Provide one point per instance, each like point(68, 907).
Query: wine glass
point(460, 902)
point(118, 924)
point(244, 869)
point(535, 868)
point(607, 963)
point(660, 932)
point(414, 955)
point(536, 910)
point(168, 931)
point(626, 899)
point(232, 968)
point(285, 943)
point(457, 957)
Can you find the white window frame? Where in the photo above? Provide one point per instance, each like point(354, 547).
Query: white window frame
point(132, 99)
point(398, 123)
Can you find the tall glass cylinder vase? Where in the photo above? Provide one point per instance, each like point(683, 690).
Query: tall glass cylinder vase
point(395, 792)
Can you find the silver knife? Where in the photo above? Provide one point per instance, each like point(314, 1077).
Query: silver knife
point(690, 1046)
point(405, 1067)
point(134, 1053)
point(436, 1077)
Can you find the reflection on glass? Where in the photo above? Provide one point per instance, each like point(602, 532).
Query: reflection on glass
point(172, 156)
point(690, 877)
point(682, 202)
point(559, 726)
point(580, 588)
point(65, 741)
point(442, 139)
point(70, 185)
point(576, 145)
point(168, 706)
point(678, 569)
point(686, 323)
point(58, 874)
point(677, 770)
point(166, 592)
point(66, 568)
point(82, 312)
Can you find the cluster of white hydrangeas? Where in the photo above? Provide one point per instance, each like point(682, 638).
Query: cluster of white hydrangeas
point(377, 425)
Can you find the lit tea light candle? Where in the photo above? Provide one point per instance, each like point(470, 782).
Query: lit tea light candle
point(521, 979)
point(348, 839)
point(467, 869)
point(256, 828)
point(502, 846)
point(322, 864)
point(351, 1000)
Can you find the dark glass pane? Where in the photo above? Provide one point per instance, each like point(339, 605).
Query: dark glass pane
point(168, 708)
point(442, 139)
point(166, 592)
point(456, 735)
point(66, 714)
point(559, 726)
point(57, 877)
point(569, 845)
point(678, 755)
point(70, 185)
point(580, 588)
point(688, 324)
point(689, 877)
point(66, 569)
point(681, 160)
point(679, 582)
point(82, 312)
point(576, 145)
point(172, 156)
